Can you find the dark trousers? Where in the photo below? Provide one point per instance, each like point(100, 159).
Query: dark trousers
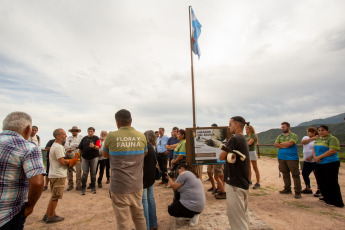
point(102, 164)
point(16, 223)
point(308, 167)
point(177, 209)
point(327, 178)
point(162, 162)
point(287, 167)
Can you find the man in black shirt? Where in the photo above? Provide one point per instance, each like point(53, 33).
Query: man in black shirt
point(88, 149)
point(236, 176)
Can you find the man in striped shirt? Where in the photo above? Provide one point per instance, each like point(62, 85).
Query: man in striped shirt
point(21, 171)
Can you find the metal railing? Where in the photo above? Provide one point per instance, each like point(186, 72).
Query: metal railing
point(300, 153)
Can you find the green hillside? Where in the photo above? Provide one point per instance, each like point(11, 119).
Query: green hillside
point(269, 136)
point(329, 120)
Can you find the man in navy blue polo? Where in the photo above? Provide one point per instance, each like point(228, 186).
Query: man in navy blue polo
point(172, 144)
point(162, 154)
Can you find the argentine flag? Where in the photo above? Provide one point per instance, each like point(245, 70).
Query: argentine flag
point(196, 31)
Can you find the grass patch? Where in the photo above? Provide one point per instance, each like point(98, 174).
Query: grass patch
point(296, 204)
point(332, 214)
point(86, 221)
point(263, 191)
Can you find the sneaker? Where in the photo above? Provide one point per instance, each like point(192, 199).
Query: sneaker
point(220, 195)
point(45, 188)
point(194, 221)
point(329, 204)
point(82, 191)
point(93, 190)
point(322, 200)
point(99, 185)
point(54, 219)
point(318, 193)
point(215, 191)
point(298, 196)
point(211, 189)
point(307, 191)
point(69, 188)
point(256, 186)
point(284, 191)
point(45, 217)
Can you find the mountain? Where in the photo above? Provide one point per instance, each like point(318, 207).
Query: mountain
point(269, 136)
point(330, 120)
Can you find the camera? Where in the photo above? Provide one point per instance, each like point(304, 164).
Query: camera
point(174, 172)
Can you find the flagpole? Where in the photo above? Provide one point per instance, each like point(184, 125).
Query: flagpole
point(192, 71)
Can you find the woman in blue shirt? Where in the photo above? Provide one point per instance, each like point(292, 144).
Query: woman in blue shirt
point(327, 167)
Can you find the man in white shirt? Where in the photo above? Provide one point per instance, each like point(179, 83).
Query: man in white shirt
point(57, 174)
point(33, 137)
point(71, 146)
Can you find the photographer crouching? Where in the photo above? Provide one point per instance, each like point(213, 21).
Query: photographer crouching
point(189, 195)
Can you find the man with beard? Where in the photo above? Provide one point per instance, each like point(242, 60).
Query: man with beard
point(288, 160)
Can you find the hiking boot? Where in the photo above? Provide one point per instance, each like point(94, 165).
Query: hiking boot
point(256, 186)
point(194, 221)
point(220, 195)
point(298, 196)
point(69, 188)
point(108, 181)
point(318, 193)
point(93, 190)
point(215, 191)
point(307, 191)
point(89, 187)
point(211, 189)
point(322, 200)
point(100, 185)
point(45, 188)
point(54, 219)
point(285, 191)
point(45, 217)
point(82, 191)
point(78, 188)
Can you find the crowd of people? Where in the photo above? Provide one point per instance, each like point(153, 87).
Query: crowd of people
point(131, 158)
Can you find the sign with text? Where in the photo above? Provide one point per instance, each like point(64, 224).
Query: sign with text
point(203, 144)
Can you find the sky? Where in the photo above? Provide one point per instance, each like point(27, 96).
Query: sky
point(78, 62)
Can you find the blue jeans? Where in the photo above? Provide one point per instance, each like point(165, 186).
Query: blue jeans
point(86, 166)
point(149, 207)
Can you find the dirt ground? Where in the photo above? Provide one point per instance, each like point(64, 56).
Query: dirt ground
point(94, 211)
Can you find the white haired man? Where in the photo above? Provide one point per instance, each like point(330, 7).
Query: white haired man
point(21, 171)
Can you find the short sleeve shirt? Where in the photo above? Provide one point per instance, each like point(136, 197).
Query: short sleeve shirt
point(288, 153)
point(172, 141)
point(19, 161)
point(192, 194)
point(57, 170)
point(308, 148)
point(89, 153)
point(322, 145)
point(126, 148)
point(252, 146)
point(180, 150)
point(237, 174)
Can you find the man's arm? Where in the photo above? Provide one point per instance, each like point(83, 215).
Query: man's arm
point(36, 184)
point(223, 155)
point(171, 147)
point(287, 144)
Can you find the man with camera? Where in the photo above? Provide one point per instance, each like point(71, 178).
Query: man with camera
point(236, 176)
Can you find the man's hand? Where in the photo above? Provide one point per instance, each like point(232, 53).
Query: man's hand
point(91, 145)
point(28, 210)
point(166, 152)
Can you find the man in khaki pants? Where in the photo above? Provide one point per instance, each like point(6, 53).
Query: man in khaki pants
point(71, 147)
point(236, 176)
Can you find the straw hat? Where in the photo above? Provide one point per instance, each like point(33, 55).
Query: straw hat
point(74, 128)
